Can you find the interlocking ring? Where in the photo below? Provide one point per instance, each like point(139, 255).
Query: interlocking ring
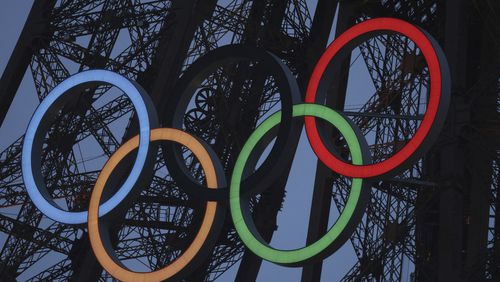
point(204, 240)
point(341, 229)
point(435, 114)
point(246, 180)
point(44, 116)
point(287, 134)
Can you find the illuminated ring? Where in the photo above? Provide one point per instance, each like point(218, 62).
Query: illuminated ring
point(339, 233)
point(288, 133)
point(206, 236)
point(41, 121)
point(436, 109)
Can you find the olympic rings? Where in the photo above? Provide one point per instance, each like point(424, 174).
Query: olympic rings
point(343, 227)
point(246, 180)
point(210, 226)
point(436, 109)
point(44, 115)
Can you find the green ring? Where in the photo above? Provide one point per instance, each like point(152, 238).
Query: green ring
point(301, 255)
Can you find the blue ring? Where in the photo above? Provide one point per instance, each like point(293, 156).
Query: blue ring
point(32, 186)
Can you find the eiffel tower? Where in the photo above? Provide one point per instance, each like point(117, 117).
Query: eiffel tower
point(439, 219)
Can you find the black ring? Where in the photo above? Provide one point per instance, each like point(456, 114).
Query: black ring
point(281, 154)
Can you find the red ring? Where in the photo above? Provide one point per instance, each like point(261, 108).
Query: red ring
point(381, 168)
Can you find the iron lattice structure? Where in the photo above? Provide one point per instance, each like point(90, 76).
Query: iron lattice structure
point(436, 220)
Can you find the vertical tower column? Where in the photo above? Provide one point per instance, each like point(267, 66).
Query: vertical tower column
point(322, 196)
point(36, 26)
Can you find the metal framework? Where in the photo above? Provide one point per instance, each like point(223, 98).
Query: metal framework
point(438, 221)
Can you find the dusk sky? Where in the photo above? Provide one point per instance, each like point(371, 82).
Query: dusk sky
point(294, 217)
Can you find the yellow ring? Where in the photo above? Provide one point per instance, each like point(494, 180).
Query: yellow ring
point(116, 270)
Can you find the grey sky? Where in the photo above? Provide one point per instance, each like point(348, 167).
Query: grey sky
point(292, 220)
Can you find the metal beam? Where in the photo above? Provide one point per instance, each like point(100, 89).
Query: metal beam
point(322, 196)
point(35, 27)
